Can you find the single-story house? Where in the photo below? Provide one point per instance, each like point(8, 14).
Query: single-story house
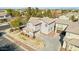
point(32, 27)
point(47, 25)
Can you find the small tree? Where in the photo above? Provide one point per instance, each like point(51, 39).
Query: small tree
point(9, 11)
point(16, 13)
point(73, 18)
point(13, 12)
point(15, 23)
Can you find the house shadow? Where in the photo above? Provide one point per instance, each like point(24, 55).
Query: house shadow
point(62, 35)
point(2, 33)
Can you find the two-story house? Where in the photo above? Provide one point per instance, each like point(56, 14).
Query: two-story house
point(32, 27)
point(47, 25)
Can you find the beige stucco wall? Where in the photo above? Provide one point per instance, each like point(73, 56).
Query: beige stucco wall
point(75, 48)
point(29, 33)
point(38, 27)
point(71, 35)
point(72, 48)
point(44, 29)
point(64, 44)
point(60, 27)
point(30, 26)
point(69, 46)
point(47, 29)
point(51, 27)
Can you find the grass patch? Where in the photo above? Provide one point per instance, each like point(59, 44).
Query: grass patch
point(22, 37)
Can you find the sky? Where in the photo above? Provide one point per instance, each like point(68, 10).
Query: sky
point(38, 3)
point(42, 4)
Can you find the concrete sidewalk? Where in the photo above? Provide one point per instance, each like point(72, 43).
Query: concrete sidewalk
point(19, 43)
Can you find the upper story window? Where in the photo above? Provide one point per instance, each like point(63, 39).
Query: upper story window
point(45, 25)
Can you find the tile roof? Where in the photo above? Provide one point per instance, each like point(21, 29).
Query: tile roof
point(35, 20)
point(48, 20)
point(62, 21)
point(72, 26)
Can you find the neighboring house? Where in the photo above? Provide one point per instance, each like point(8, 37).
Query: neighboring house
point(70, 28)
point(72, 37)
point(64, 17)
point(71, 45)
point(56, 13)
point(61, 25)
point(33, 26)
point(44, 25)
point(4, 15)
point(47, 25)
point(76, 15)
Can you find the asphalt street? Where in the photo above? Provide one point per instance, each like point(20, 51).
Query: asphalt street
point(5, 42)
point(4, 26)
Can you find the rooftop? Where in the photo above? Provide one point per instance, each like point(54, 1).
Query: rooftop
point(48, 20)
point(35, 20)
point(72, 26)
point(63, 21)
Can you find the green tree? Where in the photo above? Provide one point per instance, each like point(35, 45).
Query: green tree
point(39, 14)
point(73, 18)
point(49, 14)
point(15, 23)
point(33, 12)
point(65, 11)
point(16, 13)
point(44, 13)
point(9, 11)
point(29, 11)
point(13, 12)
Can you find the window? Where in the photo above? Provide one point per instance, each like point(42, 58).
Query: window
point(45, 25)
point(50, 29)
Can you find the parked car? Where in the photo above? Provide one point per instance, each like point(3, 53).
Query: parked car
point(0, 34)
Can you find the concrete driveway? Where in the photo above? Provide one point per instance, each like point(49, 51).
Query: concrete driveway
point(51, 43)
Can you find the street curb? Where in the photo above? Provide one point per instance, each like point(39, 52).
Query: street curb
point(25, 48)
